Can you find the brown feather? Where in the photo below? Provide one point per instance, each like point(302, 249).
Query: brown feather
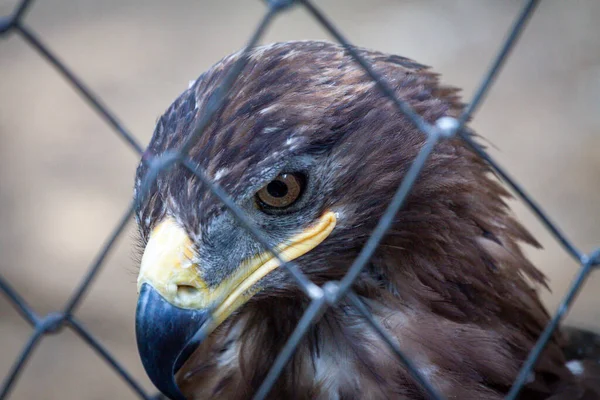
point(449, 282)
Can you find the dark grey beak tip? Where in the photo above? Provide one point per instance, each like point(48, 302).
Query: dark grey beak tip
point(165, 336)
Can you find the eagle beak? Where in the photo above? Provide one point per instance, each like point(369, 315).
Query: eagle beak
point(176, 309)
point(162, 332)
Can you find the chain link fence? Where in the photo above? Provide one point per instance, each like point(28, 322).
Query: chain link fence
point(320, 297)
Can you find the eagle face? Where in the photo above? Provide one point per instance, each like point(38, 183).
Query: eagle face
point(295, 149)
point(312, 152)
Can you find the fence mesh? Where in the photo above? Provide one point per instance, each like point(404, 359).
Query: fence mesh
point(320, 297)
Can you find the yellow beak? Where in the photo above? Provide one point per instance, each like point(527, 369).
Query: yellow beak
point(168, 266)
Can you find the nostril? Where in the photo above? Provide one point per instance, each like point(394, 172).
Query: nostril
point(187, 294)
point(185, 288)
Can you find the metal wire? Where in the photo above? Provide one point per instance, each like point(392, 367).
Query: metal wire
point(332, 292)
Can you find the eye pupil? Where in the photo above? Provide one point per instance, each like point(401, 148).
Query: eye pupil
point(277, 188)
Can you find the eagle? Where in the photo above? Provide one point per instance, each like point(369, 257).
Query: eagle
point(311, 151)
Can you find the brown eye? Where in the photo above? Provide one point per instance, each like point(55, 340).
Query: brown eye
point(282, 191)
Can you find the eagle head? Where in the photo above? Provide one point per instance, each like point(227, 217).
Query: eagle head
point(311, 151)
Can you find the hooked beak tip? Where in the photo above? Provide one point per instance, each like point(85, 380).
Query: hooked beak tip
point(165, 334)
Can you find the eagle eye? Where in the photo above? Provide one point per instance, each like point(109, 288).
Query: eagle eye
point(281, 192)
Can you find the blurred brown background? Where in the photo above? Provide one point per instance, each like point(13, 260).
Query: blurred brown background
point(65, 177)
